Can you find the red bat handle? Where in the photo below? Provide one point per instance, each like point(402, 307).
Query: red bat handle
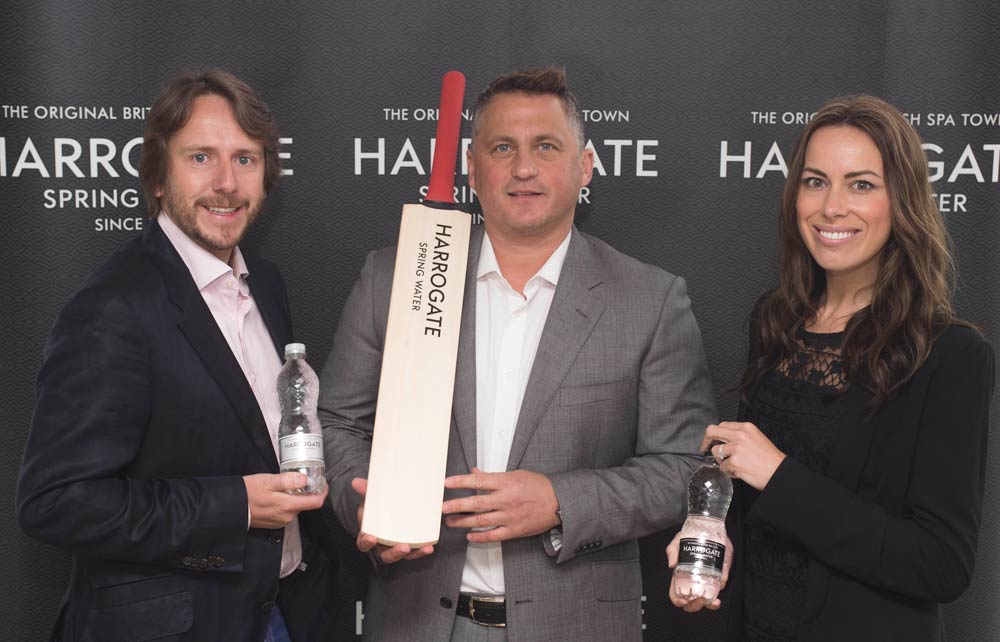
point(446, 146)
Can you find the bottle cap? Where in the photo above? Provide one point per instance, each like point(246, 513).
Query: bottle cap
point(295, 349)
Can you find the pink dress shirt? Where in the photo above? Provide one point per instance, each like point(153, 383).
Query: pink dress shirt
point(227, 294)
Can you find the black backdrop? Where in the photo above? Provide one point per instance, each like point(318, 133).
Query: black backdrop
point(690, 108)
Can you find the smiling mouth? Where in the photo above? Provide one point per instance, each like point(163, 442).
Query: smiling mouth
point(220, 210)
point(837, 236)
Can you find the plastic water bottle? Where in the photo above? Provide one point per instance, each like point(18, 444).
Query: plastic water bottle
point(703, 536)
point(300, 440)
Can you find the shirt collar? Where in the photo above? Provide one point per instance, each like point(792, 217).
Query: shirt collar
point(204, 266)
point(550, 271)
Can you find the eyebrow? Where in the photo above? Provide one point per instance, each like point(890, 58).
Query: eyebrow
point(208, 148)
point(552, 136)
point(861, 172)
point(537, 138)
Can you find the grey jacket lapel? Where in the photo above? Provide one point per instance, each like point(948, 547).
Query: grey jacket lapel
point(464, 400)
point(577, 305)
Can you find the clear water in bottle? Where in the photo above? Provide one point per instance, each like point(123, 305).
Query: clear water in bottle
point(703, 536)
point(300, 438)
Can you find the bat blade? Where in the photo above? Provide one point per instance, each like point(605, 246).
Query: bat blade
point(413, 413)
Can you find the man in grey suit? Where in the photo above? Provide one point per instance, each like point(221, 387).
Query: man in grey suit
point(580, 399)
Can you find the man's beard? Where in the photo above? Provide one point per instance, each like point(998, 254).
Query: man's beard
point(186, 218)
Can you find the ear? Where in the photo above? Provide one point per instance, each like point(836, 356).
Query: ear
point(586, 166)
point(470, 161)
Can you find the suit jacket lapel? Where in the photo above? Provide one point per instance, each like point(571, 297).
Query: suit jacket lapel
point(576, 306)
point(464, 400)
point(267, 297)
point(198, 325)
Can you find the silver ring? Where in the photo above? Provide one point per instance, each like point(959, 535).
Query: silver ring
point(721, 456)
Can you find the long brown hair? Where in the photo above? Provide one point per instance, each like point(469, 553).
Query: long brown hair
point(886, 342)
point(172, 110)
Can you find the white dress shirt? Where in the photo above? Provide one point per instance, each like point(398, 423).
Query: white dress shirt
point(227, 294)
point(508, 328)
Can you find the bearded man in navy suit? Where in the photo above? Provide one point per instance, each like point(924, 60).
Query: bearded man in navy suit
point(152, 448)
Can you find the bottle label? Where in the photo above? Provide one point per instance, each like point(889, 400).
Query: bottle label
point(704, 553)
point(301, 447)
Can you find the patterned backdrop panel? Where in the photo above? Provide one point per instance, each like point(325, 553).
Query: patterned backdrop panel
point(690, 109)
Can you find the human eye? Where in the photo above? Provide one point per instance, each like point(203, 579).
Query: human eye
point(502, 148)
point(245, 161)
point(864, 186)
point(812, 182)
point(199, 157)
point(546, 147)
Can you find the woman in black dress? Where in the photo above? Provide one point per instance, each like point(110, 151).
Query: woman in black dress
point(861, 442)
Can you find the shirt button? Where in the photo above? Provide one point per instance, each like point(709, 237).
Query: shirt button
point(266, 606)
point(446, 603)
point(496, 556)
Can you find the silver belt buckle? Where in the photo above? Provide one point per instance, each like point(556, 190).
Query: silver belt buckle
point(491, 600)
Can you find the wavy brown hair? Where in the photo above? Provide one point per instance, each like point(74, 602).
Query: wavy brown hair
point(172, 110)
point(886, 342)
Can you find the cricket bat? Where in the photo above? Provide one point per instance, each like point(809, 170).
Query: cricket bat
point(413, 412)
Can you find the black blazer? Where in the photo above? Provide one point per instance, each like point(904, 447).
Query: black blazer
point(892, 527)
point(143, 429)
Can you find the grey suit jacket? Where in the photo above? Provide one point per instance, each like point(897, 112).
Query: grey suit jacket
point(616, 403)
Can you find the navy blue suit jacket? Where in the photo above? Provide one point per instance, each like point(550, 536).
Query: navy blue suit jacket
point(143, 430)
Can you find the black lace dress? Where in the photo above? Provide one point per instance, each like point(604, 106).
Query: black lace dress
point(798, 406)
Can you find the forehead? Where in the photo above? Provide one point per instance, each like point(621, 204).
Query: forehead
point(843, 145)
point(518, 112)
point(212, 123)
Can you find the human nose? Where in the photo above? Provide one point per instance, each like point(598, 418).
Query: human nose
point(836, 203)
point(524, 166)
point(224, 179)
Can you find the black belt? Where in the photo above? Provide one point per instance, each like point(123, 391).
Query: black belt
point(488, 611)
